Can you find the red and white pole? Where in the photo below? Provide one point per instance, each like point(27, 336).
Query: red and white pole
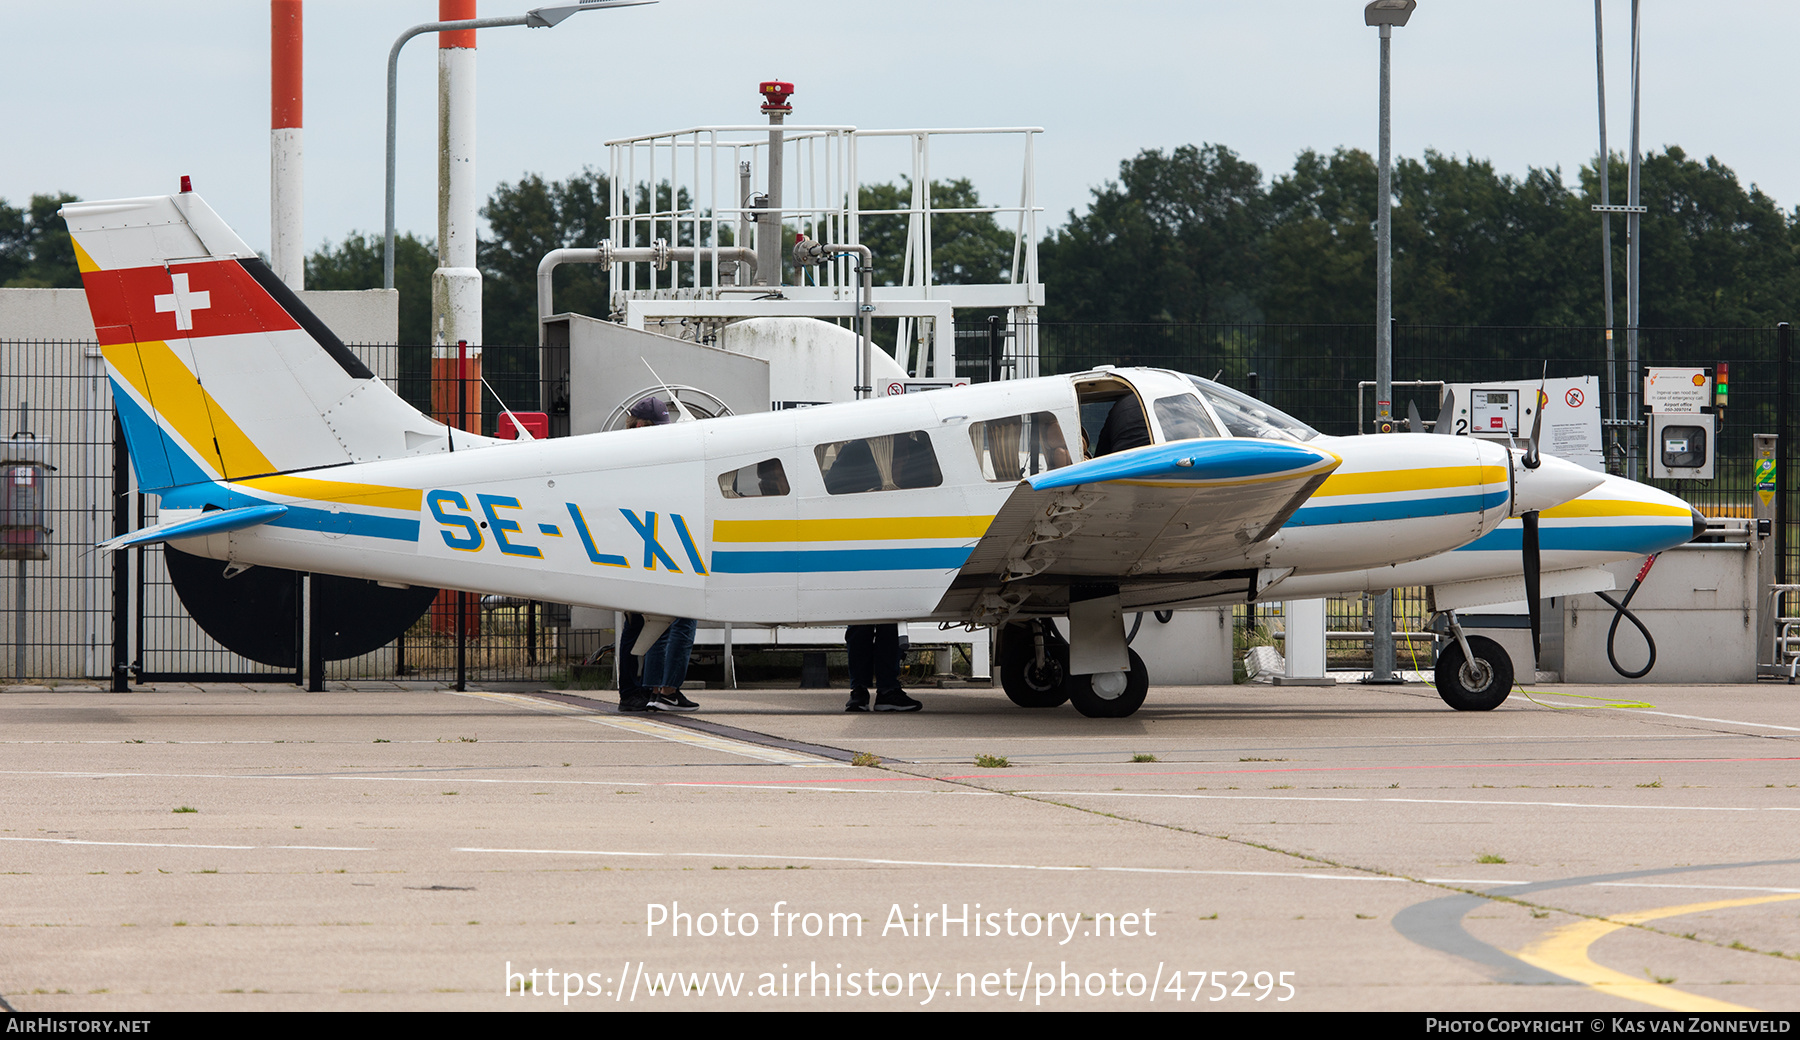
point(456, 284)
point(287, 244)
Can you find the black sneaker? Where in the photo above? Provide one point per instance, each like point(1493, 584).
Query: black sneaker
point(634, 704)
point(895, 700)
point(673, 701)
point(858, 702)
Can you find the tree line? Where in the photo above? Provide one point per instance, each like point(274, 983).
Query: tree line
point(1198, 235)
point(1192, 235)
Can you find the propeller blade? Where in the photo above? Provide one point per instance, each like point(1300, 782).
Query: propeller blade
point(1414, 424)
point(1533, 583)
point(1537, 419)
point(1446, 420)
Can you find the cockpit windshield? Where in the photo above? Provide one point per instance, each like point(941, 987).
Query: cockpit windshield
point(1245, 416)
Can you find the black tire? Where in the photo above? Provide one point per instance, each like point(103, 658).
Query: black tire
point(1098, 706)
point(1462, 688)
point(1026, 684)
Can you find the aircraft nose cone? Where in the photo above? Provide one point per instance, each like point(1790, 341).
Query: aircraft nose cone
point(1699, 524)
point(1552, 483)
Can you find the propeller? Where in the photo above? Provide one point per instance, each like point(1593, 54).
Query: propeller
point(1533, 585)
point(1414, 424)
point(1446, 420)
point(1532, 459)
point(1528, 544)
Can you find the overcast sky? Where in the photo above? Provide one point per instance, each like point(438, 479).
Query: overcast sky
point(109, 98)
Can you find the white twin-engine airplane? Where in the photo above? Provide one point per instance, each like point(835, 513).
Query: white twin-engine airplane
point(271, 444)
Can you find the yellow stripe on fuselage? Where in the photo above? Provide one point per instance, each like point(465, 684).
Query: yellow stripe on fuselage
point(863, 530)
point(1613, 507)
point(1435, 479)
point(338, 491)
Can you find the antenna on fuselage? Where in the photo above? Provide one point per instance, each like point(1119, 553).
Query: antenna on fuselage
point(674, 402)
point(524, 434)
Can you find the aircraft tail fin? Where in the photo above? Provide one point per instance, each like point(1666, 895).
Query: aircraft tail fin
point(220, 372)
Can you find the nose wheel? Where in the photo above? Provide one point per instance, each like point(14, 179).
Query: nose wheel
point(1475, 679)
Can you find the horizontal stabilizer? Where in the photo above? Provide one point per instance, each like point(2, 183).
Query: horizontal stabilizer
point(218, 521)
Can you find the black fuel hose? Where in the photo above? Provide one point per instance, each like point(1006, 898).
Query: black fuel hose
point(1163, 617)
point(1619, 611)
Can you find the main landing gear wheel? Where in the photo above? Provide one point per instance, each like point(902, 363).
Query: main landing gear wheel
point(1027, 683)
point(1110, 695)
point(1479, 685)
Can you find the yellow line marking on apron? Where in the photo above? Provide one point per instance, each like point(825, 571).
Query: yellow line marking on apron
point(1565, 952)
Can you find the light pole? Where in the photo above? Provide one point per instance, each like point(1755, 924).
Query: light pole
point(1384, 14)
point(536, 18)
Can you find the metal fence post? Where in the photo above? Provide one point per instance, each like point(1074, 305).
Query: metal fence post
point(1784, 448)
point(121, 564)
point(994, 348)
point(315, 649)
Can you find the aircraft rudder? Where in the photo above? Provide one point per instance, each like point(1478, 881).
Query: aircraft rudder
point(220, 355)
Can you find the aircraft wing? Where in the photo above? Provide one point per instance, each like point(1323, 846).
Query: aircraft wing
point(1163, 515)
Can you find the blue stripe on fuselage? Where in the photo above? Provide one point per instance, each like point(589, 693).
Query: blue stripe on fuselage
point(802, 561)
point(1408, 509)
point(1635, 539)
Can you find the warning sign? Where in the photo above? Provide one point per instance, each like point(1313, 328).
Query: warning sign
point(1765, 479)
point(1677, 389)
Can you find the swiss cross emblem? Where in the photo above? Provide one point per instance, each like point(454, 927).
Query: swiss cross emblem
point(183, 302)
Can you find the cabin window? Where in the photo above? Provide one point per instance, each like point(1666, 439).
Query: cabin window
point(892, 462)
point(1183, 418)
point(1245, 416)
point(1013, 448)
point(764, 479)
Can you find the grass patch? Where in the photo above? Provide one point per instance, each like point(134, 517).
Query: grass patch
point(1490, 857)
point(1654, 783)
point(184, 808)
point(992, 762)
point(863, 758)
point(1143, 758)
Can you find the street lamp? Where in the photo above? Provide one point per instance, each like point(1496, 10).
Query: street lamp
point(1384, 14)
point(536, 18)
